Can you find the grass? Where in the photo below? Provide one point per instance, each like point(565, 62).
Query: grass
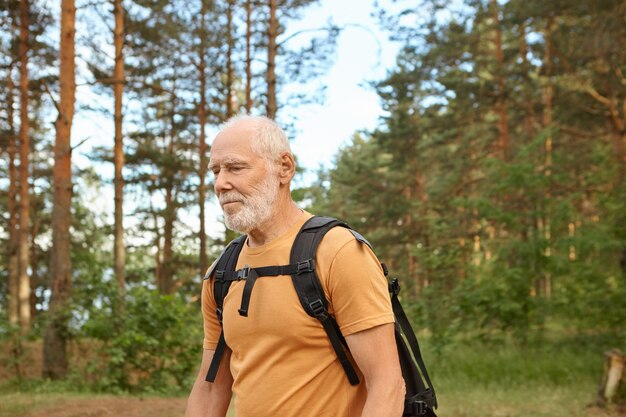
point(18, 403)
point(555, 376)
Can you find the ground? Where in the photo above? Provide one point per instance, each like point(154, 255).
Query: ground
point(67, 404)
point(81, 405)
point(552, 380)
point(112, 407)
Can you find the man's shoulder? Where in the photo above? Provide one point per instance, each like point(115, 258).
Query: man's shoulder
point(337, 238)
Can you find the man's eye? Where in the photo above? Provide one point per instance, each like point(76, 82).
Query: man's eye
point(236, 169)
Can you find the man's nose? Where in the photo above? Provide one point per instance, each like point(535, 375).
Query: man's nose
point(222, 183)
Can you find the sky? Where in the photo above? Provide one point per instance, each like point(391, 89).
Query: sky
point(363, 55)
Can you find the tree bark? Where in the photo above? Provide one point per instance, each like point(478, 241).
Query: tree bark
point(548, 99)
point(613, 376)
point(158, 272)
point(118, 158)
point(12, 207)
point(618, 133)
point(23, 262)
point(501, 107)
point(529, 111)
point(202, 171)
point(248, 56)
point(167, 271)
point(169, 214)
point(35, 280)
point(272, 49)
point(55, 340)
point(619, 142)
point(230, 99)
point(412, 264)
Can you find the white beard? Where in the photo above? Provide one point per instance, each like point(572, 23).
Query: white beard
point(255, 209)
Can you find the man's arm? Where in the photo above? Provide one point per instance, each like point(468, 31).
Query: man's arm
point(376, 355)
point(211, 399)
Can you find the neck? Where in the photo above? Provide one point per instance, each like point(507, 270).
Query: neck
point(286, 215)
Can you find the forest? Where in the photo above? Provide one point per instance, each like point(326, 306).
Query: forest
point(493, 186)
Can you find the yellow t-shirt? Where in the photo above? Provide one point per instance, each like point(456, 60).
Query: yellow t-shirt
point(282, 361)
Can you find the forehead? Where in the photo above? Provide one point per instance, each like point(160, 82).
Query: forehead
point(234, 143)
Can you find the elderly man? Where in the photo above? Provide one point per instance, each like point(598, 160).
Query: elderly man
point(279, 361)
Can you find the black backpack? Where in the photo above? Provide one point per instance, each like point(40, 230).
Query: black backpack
point(420, 398)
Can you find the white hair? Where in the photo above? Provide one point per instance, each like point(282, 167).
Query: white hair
point(269, 139)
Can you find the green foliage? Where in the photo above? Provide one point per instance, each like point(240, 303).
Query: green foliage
point(487, 242)
point(152, 347)
point(555, 374)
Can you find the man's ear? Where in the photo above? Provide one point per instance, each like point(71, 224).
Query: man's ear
point(287, 167)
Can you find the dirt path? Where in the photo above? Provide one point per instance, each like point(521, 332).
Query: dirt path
point(111, 407)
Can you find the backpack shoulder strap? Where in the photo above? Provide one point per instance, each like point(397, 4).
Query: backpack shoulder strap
point(309, 289)
point(235, 244)
point(420, 398)
point(303, 253)
point(227, 261)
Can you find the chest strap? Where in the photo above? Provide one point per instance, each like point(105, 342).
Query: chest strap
point(250, 275)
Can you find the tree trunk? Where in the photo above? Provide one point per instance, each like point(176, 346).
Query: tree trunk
point(529, 111)
point(202, 171)
point(412, 265)
point(157, 244)
point(248, 56)
point(272, 48)
point(12, 207)
point(23, 262)
point(55, 340)
point(230, 99)
point(618, 135)
point(169, 214)
point(613, 376)
point(619, 147)
point(548, 98)
point(167, 271)
point(35, 280)
point(501, 108)
point(118, 158)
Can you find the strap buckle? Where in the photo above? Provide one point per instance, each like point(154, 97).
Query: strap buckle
point(394, 287)
point(319, 311)
point(243, 273)
point(418, 408)
point(305, 266)
point(219, 275)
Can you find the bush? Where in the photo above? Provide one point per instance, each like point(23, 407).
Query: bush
point(154, 346)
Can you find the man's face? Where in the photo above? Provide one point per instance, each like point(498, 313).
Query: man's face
point(245, 184)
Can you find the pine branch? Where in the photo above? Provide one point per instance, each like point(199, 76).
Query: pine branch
point(80, 143)
point(47, 89)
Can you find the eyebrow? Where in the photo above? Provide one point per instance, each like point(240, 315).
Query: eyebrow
point(226, 162)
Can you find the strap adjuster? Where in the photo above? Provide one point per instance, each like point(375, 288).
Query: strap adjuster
point(219, 314)
point(305, 266)
point(394, 287)
point(243, 273)
point(319, 311)
point(219, 275)
point(418, 408)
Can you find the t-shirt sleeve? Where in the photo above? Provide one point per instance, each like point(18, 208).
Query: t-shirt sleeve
point(357, 289)
point(212, 327)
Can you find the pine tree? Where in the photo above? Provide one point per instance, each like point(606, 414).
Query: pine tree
point(118, 87)
point(55, 342)
point(24, 172)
